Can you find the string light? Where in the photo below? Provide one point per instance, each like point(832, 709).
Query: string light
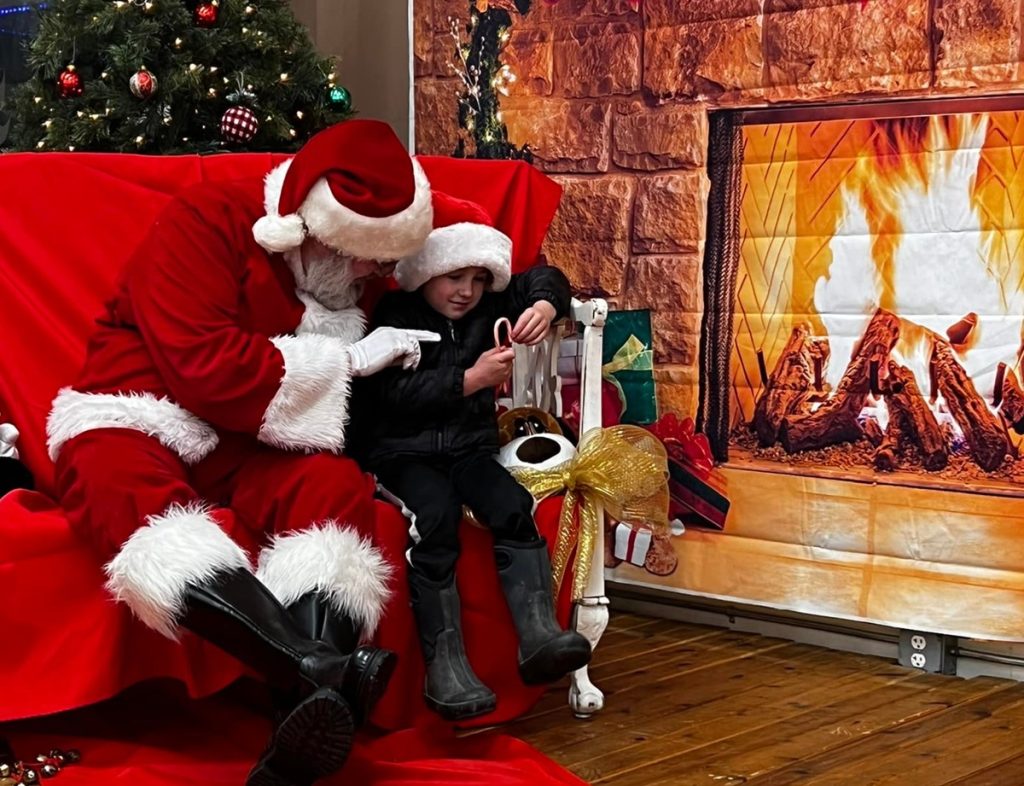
point(40, 144)
point(299, 114)
point(284, 77)
point(22, 9)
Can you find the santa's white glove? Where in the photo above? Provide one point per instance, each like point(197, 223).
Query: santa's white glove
point(8, 439)
point(388, 346)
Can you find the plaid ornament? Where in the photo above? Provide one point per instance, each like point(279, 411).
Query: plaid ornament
point(239, 124)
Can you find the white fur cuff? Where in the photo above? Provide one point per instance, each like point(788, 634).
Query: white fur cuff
point(74, 413)
point(310, 410)
point(182, 547)
point(333, 560)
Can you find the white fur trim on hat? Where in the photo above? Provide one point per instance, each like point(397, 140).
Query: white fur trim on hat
point(277, 233)
point(455, 247)
point(180, 548)
point(310, 409)
point(331, 559)
point(334, 225)
point(74, 413)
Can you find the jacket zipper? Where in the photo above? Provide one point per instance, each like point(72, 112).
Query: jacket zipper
point(441, 436)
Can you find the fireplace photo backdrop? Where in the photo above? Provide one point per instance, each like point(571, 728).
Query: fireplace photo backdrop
point(880, 296)
point(862, 363)
point(820, 203)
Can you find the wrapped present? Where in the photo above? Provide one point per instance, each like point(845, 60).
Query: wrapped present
point(696, 496)
point(628, 363)
point(632, 543)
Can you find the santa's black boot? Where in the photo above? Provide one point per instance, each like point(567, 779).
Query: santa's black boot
point(235, 611)
point(452, 690)
point(546, 652)
point(369, 668)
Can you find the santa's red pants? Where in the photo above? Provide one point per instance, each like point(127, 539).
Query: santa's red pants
point(111, 480)
point(304, 521)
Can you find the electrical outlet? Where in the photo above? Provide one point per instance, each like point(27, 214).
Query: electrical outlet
point(931, 652)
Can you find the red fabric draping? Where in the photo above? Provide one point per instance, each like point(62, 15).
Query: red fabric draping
point(75, 220)
point(520, 199)
point(153, 737)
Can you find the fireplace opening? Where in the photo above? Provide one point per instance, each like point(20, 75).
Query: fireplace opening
point(864, 291)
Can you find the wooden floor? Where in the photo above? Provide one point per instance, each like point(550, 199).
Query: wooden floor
point(692, 705)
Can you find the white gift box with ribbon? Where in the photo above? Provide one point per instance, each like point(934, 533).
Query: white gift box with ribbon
point(632, 544)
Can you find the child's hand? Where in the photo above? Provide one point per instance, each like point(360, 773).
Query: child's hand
point(534, 324)
point(491, 369)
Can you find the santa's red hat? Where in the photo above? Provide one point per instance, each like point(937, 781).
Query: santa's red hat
point(464, 236)
point(354, 188)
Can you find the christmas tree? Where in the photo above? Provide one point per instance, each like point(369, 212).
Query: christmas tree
point(174, 76)
point(484, 77)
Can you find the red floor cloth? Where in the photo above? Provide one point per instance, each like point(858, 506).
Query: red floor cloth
point(155, 736)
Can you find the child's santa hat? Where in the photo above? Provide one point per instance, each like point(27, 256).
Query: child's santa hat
point(354, 188)
point(464, 236)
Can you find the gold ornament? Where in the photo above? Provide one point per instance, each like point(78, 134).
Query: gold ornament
point(623, 469)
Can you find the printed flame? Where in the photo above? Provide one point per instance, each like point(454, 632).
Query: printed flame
point(914, 237)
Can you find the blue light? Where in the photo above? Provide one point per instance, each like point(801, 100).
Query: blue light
point(21, 9)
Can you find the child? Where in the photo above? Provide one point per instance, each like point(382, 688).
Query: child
point(430, 435)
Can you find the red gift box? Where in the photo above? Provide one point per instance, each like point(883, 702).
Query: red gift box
point(694, 496)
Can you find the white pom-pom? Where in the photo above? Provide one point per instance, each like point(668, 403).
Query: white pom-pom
point(279, 233)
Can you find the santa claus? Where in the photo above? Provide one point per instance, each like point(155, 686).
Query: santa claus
point(200, 451)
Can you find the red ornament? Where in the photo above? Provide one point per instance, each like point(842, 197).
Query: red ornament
point(69, 83)
point(239, 124)
point(142, 84)
point(206, 14)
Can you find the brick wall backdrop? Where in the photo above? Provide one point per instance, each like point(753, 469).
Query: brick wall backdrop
point(614, 103)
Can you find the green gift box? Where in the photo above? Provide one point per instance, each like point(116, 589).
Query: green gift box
point(628, 363)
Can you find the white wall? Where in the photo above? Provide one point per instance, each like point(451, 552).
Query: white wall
point(370, 38)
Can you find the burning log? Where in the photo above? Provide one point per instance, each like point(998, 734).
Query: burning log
point(887, 457)
point(918, 423)
point(959, 332)
point(873, 432)
point(984, 433)
point(1011, 404)
point(835, 421)
point(791, 385)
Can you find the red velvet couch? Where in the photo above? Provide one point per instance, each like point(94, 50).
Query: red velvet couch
point(67, 223)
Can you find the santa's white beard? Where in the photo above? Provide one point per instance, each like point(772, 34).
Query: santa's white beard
point(325, 274)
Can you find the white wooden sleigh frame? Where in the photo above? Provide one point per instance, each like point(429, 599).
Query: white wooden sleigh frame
point(535, 382)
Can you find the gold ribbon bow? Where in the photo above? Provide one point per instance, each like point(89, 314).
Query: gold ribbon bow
point(633, 355)
point(622, 468)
